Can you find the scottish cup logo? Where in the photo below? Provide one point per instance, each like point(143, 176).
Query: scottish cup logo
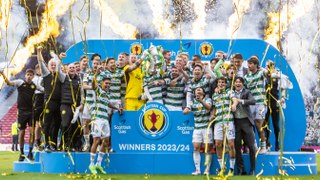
point(154, 121)
point(136, 48)
point(206, 49)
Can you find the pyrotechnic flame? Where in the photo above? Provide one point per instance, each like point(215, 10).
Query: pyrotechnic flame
point(163, 26)
point(235, 20)
point(49, 27)
point(5, 7)
point(111, 19)
point(199, 24)
point(283, 18)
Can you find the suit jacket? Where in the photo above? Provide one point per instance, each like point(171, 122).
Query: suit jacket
point(248, 100)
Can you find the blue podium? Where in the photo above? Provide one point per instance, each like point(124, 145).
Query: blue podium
point(157, 141)
point(154, 140)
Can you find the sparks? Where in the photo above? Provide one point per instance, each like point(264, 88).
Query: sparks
point(283, 18)
point(163, 26)
point(49, 27)
point(235, 20)
point(111, 19)
point(5, 7)
point(199, 24)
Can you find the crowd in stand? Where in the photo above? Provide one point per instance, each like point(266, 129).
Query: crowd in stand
point(56, 99)
point(313, 120)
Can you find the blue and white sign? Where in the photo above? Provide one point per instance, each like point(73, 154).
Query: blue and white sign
point(152, 129)
point(295, 125)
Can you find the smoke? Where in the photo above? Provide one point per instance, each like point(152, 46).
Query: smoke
point(301, 48)
point(251, 20)
point(217, 19)
point(82, 24)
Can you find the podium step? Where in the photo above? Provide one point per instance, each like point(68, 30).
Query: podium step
point(26, 166)
point(294, 163)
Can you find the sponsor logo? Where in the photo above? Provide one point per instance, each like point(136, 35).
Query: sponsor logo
point(206, 49)
point(122, 126)
point(185, 127)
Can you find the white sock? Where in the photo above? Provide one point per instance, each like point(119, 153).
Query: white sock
point(208, 159)
point(263, 145)
point(220, 163)
point(100, 157)
point(232, 162)
point(196, 160)
point(92, 158)
point(86, 138)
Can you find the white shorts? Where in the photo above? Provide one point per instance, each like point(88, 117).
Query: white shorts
point(258, 111)
point(116, 104)
point(200, 136)
point(86, 112)
point(100, 128)
point(218, 130)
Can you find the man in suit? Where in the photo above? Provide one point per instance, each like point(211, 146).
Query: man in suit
point(244, 124)
point(237, 60)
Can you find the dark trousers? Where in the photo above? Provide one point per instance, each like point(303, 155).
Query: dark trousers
point(66, 128)
point(71, 133)
point(274, 113)
point(244, 131)
point(14, 143)
point(52, 121)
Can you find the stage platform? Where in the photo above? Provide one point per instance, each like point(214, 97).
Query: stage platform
point(294, 163)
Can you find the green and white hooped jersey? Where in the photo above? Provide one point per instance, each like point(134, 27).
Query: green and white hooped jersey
point(201, 114)
point(221, 102)
point(123, 83)
point(88, 79)
point(175, 95)
point(256, 84)
point(202, 82)
point(115, 88)
point(100, 105)
point(155, 91)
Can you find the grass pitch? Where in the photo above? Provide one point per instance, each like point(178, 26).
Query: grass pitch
point(7, 158)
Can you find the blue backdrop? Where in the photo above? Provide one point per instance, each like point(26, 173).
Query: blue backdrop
point(295, 120)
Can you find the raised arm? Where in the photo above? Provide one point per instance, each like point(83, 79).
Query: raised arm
point(217, 70)
point(61, 75)
point(133, 66)
point(43, 68)
point(16, 82)
point(6, 80)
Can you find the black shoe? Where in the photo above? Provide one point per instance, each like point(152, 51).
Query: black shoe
point(47, 149)
point(52, 148)
point(21, 158)
point(242, 172)
point(30, 156)
point(251, 173)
